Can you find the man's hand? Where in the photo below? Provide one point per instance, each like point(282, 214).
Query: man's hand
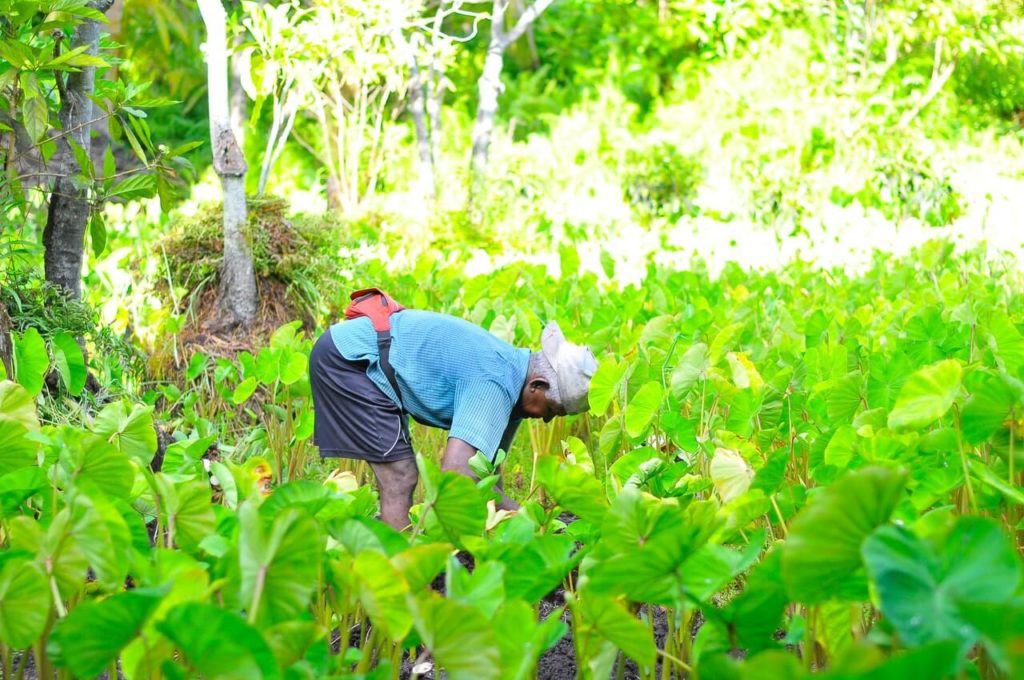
point(457, 455)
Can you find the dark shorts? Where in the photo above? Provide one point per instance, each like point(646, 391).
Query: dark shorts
point(353, 418)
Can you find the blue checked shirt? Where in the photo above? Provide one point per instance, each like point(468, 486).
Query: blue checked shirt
point(452, 374)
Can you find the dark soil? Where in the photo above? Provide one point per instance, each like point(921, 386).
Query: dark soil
point(30, 668)
point(275, 309)
point(559, 662)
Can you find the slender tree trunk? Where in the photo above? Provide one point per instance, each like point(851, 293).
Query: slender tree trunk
point(6, 345)
point(435, 95)
point(286, 108)
point(239, 100)
point(68, 215)
point(419, 116)
point(435, 92)
point(237, 281)
point(489, 87)
point(101, 138)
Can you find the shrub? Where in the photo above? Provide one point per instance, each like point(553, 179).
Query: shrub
point(660, 181)
point(908, 187)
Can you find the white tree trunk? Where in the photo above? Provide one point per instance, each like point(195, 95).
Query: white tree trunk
point(489, 86)
point(419, 117)
point(417, 109)
point(237, 281)
point(239, 100)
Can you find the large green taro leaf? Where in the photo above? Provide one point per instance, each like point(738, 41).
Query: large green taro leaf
point(821, 558)
point(936, 661)
point(644, 542)
point(926, 396)
point(93, 462)
point(886, 377)
point(642, 408)
point(185, 510)
point(461, 639)
point(69, 362)
point(535, 567)
point(280, 567)
point(420, 564)
point(756, 613)
point(94, 633)
point(1002, 628)
point(1006, 343)
point(17, 418)
point(921, 589)
point(16, 487)
point(453, 501)
point(993, 401)
point(55, 548)
point(604, 385)
point(574, 488)
point(382, 591)
point(218, 644)
point(129, 428)
point(103, 536)
point(30, 360)
point(691, 367)
point(17, 404)
point(358, 534)
point(522, 639)
point(24, 602)
point(482, 588)
point(16, 450)
point(609, 619)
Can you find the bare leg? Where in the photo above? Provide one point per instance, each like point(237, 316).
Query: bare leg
point(396, 482)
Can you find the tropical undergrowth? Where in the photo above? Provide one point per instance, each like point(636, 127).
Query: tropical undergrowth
point(795, 471)
point(291, 251)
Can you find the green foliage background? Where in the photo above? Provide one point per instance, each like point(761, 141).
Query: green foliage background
point(788, 230)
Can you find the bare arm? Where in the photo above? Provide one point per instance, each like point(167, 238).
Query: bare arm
point(456, 459)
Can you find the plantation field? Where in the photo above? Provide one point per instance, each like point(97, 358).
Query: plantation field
point(780, 472)
point(790, 233)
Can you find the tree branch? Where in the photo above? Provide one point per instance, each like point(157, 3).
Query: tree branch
point(525, 19)
point(60, 135)
point(22, 142)
point(58, 37)
point(934, 88)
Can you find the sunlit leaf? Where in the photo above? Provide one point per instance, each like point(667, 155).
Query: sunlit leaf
point(730, 473)
point(94, 633)
point(217, 643)
point(605, 384)
point(381, 589)
point(30, 360)
point(130, 428)
point(24, 602)
point(691, 367)
point(280, 564)
point(926, 396)
point(642, 408)
point(461, 639)
point(70, 362)
point(573, 488)
point(821, 557)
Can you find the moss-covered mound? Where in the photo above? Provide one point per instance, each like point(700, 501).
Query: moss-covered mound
point(292, 256)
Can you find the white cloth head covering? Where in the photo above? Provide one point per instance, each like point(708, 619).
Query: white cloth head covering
point(574, 366)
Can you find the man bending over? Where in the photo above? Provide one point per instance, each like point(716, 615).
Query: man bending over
point(444, 372)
